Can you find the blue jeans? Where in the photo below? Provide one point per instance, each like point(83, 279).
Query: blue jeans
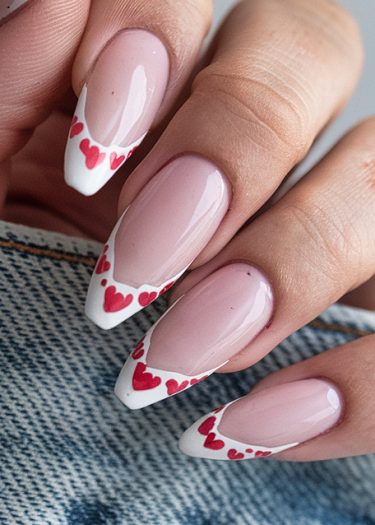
point(71, 454)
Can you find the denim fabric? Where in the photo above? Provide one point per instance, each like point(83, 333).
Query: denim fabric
point(71, 454)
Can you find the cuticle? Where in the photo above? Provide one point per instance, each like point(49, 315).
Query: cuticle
point(15, 13)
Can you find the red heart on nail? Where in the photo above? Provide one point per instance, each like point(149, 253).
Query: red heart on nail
point(131, 152)
point(262, 454)
point(115, 301)
point(92, 153)
point(249, 450)
point(76, 128)
point(116, 161)
point(234, 455)
point(194, 381)
point(173, 387)
point(145, 298)
point(143, 380)
point(166, 287)
point(207, 425)
point(211, 442)
point(138, 351)
point(103, 264)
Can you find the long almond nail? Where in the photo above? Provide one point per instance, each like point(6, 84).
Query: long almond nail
point(8, 7)
point(214, 321)
point(261, 424)
point(156, 239)
point(116, 108)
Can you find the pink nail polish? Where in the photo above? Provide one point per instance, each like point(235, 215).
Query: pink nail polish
point(7, 7)
point(261, 424)
point(156, 239)
point(116, 108)
point(198, 334)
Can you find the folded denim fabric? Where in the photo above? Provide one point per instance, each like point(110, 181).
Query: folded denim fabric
point(71, 454)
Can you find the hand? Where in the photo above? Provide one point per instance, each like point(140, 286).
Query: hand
point(277, 73)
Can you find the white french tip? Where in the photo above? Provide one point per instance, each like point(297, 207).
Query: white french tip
point(140, 385)
point(98, 301)
point(190, 444)
point(204, 440)
point(109, 302)
point(77, 181)
point(88, 164)
point(125, 395)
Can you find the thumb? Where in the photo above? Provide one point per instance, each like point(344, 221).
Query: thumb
point(38, 41)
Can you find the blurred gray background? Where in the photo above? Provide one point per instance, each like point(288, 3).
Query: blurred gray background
point(363, 101)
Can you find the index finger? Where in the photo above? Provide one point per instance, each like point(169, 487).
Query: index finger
point(133, 61)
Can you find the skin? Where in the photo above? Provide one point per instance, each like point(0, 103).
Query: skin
point(277, 73)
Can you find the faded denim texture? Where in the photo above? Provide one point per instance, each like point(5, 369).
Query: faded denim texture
point(71, 454)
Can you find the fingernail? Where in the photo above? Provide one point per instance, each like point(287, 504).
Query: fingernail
point(214, 321)
point(116, 108)
point(261, 424)
point(156, 239)
point(7, 7)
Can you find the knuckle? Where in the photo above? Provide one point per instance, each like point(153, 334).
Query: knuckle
point(326, 240)
point(268, 116)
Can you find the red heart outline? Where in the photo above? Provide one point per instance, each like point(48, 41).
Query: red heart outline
point(212, 443)
point(194, 381)
point(207, 425)
point(103, 264)
point(234, 455)
point(166, 287)
point(145, 298)
point(173, 387)
point(76, 127)
point(115, 301)
point(93, 155)
point(138, 350)
point(143, 380)
point(131, 152)
point(116, 161)
point(262, 453)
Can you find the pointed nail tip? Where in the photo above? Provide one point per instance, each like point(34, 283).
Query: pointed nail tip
point(99, 321)
point(184, 445)
point(76, 184)
point(131, 402)
point(103, 321)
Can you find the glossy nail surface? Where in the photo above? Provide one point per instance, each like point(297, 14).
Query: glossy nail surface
point(266, 422)
point(7, 7)
point(116, 108)
point(159, 235)
point(198, 334)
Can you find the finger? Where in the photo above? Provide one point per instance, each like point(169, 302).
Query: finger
point(37, 44)
point(255, 102)
point(133, 61)
point(275, 276)
point(311, 411)
point(315, 245)
point(280, 72)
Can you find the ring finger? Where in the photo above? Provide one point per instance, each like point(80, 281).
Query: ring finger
point(276, 275)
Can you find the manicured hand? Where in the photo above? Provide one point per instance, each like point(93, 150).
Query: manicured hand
point(275, 76)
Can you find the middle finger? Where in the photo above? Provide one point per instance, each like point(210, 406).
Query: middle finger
point(280, 71)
